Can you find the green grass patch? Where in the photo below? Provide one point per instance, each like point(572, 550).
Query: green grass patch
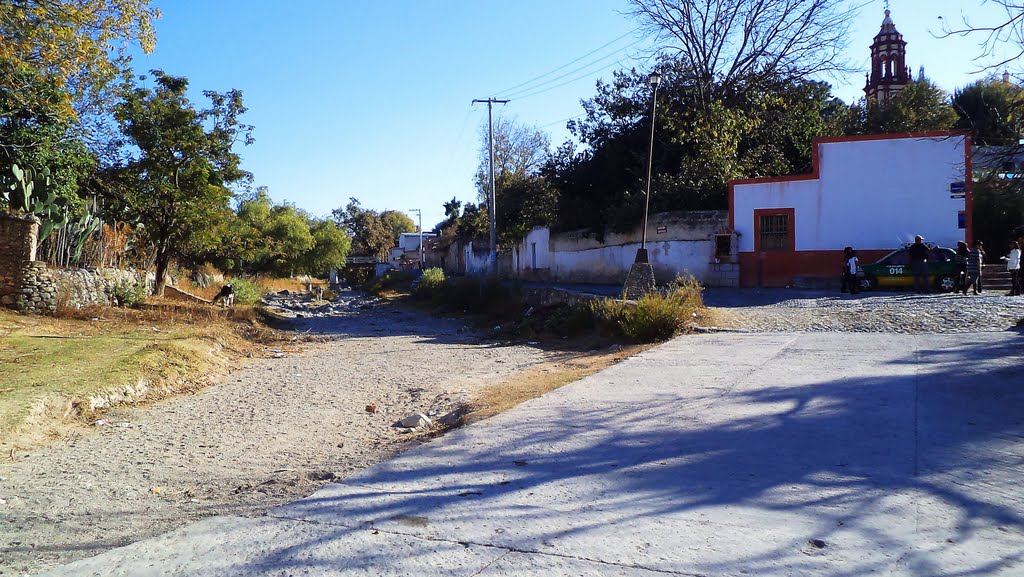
point(49, 368)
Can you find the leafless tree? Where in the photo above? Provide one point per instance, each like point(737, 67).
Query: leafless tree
point(1006, 32)
point(732, 44)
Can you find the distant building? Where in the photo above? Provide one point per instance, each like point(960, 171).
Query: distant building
point(889, 70)
point(407, 253)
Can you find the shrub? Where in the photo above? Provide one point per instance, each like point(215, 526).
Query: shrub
point(430, 282)
point(655, 317)
point(129, 294)
point(246, 291)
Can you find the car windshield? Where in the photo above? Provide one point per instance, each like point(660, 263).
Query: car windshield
point(897, 257)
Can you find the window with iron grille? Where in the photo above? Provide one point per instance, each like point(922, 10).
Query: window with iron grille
point(774, 232)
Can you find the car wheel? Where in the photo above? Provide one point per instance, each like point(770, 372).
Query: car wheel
point(945, 283)
point(867, 283)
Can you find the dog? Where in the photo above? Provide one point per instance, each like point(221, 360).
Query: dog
point(226, 296)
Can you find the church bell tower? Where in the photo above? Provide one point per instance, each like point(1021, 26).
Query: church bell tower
point(889, 71)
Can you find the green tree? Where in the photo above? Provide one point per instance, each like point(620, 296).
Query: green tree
point(998, 210)
point(397, 223)
point(920, 106)
point(765, 130)
point(523, 198)
point(991, 109)
point(370, 235)
point(330, 248)
point(77, 47)
point(524, 203)
point(180, 164)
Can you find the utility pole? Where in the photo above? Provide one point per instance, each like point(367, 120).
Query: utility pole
point(492, 260)
point(419, 214)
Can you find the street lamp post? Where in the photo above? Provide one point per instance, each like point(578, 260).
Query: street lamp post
point(654, 79)
point(640, 280)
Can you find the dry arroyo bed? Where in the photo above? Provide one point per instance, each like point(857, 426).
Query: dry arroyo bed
point(268, 433)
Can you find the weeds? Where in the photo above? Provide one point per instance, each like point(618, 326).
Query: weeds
point(246, 291)
point(430, 282)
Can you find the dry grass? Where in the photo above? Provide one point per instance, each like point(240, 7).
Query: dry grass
point(544, 378)
point(268, 285)
point(56, 371)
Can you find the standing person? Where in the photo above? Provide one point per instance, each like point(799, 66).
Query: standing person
point(850, 273)
point(919, 264)
point(1020, 271)
point(974, 267)
point(1013, 267)
point(961, 265)
point(843, 277)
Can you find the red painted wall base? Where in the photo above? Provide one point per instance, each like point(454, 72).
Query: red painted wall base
point(777, 268)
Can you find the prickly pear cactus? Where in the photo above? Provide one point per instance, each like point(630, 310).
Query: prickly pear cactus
point(26, 189)
point(31, 191)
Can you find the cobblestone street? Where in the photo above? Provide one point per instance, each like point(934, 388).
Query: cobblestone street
point(773, 310)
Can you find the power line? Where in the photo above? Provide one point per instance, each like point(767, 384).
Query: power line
point(566, 65)
point(570, 81)
point(575, 70)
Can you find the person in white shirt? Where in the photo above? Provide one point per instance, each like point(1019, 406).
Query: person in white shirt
point(851, 271)
point(1013, 266)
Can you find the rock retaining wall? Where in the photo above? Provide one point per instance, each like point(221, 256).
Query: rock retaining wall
point(29, 285)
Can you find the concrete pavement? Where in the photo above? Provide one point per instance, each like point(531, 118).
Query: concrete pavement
point(731, 454)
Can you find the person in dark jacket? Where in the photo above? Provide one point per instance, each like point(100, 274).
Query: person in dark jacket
point(919, 264)
point(975, 266)
point(961, 265)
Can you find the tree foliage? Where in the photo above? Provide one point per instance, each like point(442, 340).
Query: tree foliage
point(758, 131)
point(519, 150)
point(372, 233)
point(77, 47)
point(991, 109)
point(921, 106)
point(180, 164)
point(524, 198)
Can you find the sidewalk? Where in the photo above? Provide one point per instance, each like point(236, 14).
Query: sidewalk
point(756, 454)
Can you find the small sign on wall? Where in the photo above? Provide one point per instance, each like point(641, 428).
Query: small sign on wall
point(662, 229)
point(957, 189)
point(961, 219)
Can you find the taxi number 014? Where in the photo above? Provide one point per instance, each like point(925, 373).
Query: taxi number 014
point(896, 270)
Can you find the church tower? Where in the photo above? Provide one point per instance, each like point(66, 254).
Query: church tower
point(889, 71)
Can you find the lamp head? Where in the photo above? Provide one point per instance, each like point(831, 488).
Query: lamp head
point(654, 79)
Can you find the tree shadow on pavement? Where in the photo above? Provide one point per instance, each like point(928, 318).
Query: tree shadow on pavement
point(914, 472)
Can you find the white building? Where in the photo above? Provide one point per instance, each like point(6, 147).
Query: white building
point(871, 192)
point(407, 253)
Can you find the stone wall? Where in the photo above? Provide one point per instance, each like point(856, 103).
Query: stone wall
point(29, 285)
point(17, 246)
point(77, 288)
point(37, 291)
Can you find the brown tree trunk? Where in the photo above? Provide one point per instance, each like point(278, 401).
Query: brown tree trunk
point(163, 259)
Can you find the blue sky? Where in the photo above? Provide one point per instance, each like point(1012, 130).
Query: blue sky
point(372, 99)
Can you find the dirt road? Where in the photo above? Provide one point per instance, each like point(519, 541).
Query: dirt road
point(266, 434)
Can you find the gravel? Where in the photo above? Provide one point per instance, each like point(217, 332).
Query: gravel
point(814, 311)
point(267, 434)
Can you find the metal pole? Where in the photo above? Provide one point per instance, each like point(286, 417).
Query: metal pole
point(419, 215)
point(491, 211)
point(650, 161)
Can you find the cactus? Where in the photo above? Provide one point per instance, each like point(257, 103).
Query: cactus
point(30, 191)
point(80, 231)
point(26, 189)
